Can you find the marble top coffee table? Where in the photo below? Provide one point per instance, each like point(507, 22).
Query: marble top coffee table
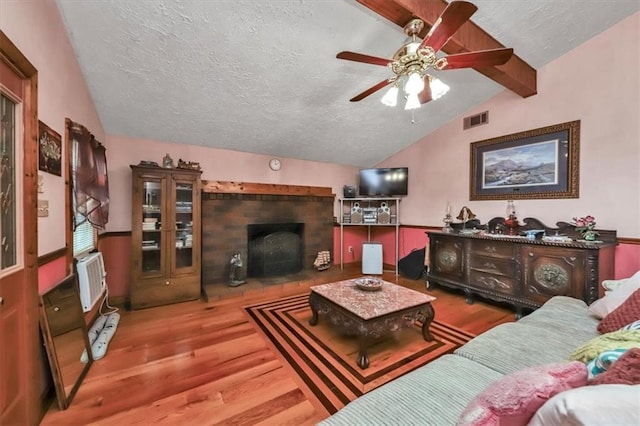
point(371, 314)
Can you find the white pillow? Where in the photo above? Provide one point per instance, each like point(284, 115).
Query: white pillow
point(602, 307)
point(604, 405)
point(611, 285)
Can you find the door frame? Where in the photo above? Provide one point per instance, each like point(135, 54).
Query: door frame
point(30, 344)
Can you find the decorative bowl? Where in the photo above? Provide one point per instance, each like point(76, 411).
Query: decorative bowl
point(368, 284)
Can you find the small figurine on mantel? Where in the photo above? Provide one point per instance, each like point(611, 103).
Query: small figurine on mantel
point(236, 277)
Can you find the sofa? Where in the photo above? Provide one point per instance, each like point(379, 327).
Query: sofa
point(439, 392)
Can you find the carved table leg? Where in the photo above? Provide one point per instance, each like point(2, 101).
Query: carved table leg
point(314, 315)
point(429, 315)
point(363, 358)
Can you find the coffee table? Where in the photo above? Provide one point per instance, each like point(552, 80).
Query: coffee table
point(371, 314)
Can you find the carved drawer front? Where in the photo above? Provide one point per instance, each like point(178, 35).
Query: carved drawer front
point(491, 265)
point(493, 249)
point(550, 272)
point(493, 283)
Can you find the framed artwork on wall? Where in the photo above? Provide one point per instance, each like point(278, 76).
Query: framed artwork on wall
point(534, 164)
point(49, 150)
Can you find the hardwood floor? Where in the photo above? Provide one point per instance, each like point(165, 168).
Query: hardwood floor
point(206, 363)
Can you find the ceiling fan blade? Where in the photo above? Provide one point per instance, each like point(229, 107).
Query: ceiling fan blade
point(456, 13)
point(359, 57)
point(371, 90)
point(425, 95)
point(479, 59)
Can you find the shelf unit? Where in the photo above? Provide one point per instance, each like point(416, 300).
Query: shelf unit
point(370, 212)
point(165, 235)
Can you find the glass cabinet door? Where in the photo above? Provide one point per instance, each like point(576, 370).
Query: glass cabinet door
point(183, 234)
point(152, 226)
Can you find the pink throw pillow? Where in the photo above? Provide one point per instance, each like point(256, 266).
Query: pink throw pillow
point(514, 399)
point(624, 371)
point(624, 314)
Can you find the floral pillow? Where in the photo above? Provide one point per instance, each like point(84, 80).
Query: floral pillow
point(515, 398)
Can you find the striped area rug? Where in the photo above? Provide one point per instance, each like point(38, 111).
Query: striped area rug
point(325, 359)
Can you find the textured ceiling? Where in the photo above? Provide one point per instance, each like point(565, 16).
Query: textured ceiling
point(262, 77)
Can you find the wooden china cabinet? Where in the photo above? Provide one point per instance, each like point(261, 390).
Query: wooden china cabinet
point(165, 235)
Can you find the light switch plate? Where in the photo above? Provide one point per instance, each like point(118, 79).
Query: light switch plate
point(43, 208)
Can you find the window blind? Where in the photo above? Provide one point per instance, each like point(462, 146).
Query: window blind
point(83, 238)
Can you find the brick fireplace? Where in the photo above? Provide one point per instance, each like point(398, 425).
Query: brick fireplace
point(230, 210)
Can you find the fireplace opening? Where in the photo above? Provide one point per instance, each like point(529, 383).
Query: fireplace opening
point(274, 249)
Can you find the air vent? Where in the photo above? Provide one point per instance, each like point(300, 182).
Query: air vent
point(475, 120)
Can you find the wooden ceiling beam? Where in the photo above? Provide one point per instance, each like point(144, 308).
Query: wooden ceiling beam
point(516, 75)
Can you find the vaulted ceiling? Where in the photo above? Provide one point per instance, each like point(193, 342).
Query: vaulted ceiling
point(263, 77)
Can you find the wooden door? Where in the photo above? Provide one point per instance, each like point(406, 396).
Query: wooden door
point(19, 356)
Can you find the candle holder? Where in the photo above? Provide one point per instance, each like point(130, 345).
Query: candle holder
point(511, 219)
point(447, 224)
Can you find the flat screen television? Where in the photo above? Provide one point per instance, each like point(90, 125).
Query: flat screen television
point(384, 182)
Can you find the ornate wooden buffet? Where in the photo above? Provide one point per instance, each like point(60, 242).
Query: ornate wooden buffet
point(518, 270)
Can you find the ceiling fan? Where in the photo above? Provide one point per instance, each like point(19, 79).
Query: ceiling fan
point(415, 58)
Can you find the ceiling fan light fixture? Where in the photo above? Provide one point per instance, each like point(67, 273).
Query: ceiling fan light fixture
point(391, 97)
point(412, 102)
point(438, 88)
point(415, 84)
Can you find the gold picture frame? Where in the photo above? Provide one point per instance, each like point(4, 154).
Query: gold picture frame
point(534, 164)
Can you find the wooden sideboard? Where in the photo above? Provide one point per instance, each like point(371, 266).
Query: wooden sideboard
point(520, 271)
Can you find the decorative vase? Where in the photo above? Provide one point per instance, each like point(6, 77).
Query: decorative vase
point(589, 236)
point(167, 162)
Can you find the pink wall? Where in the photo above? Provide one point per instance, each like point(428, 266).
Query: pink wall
point(627, 260)
point(37, 29)
point(597, 83)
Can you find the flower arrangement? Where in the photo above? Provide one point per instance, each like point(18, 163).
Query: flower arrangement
point(585, 226)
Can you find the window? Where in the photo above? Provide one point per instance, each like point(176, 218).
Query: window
point(84, 238)
point(10, 185)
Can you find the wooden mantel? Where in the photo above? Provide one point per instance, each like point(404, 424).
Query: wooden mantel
point(223, 187)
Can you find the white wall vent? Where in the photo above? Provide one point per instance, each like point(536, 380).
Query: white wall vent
point(475, 120)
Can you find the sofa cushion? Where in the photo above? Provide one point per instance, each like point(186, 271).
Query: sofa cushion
point(624, 371)
point(626, 313)
point(602, 307)
point(513, 346)
point(602, 405)
point(567, 312)
point(434, 394)
point(515, 398)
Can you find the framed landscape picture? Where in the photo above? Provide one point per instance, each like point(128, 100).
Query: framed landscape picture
point(535, 164)
point(49, 150)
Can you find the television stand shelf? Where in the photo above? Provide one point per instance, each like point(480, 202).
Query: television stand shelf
point(369, 212)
